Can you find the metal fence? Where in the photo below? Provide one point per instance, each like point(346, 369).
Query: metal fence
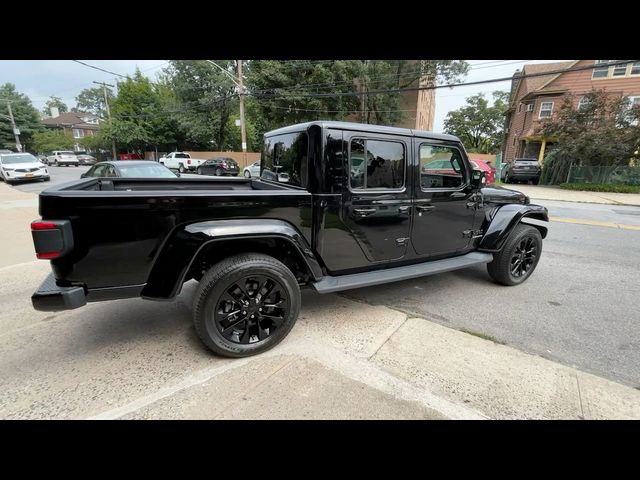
point(606, 174)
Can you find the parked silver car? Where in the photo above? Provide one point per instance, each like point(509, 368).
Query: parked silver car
point(252, 170)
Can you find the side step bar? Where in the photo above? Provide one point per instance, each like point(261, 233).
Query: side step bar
point(376, 277)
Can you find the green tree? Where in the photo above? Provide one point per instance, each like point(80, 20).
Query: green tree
point(285, 92)
point(48, 140)
point(54, 102)
point(26, 116)
point(478, 124)
point(604, 132)
point(206, 97)
point(91, 100)
point(143, 116)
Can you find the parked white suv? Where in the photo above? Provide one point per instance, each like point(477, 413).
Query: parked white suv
point(62, 157)
point(15, 167)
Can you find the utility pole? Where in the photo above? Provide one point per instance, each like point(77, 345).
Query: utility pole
point(106, 103)
point(16, 132)
point(243, 131)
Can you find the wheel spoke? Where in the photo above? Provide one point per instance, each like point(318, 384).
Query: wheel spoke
point(277, 319)
point(514, 267)
point(262, 334)
point(279, 303)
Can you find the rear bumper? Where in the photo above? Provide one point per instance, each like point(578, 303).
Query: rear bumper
point(525, 174)
point(51, 298)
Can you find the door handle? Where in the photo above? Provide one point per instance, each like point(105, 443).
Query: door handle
point(403, 209)
point(425, 208)
point(363, 212)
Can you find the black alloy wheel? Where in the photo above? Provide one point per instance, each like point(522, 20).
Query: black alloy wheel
point(524, 257)
point(246, 304)
point(519, 256)
point(251, 309)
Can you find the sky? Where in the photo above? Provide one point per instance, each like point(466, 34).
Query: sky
point(40, 79)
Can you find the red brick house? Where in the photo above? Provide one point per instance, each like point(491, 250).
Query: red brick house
point(76, 124)
point(536, 99)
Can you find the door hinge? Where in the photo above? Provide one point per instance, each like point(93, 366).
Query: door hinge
point(401, 242)
point(472, 234)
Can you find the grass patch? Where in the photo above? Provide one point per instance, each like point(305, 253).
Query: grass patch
point(601, 187)
point(483, 336)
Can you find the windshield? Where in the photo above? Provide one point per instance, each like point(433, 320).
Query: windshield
point(19, 159)
point(153, 170)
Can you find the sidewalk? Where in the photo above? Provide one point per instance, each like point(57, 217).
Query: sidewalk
point(17, 211)
point(539, 192)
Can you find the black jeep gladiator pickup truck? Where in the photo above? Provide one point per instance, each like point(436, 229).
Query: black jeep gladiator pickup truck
point(337, 206)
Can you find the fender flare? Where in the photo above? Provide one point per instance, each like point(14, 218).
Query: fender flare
point(498, 228)
point(185, 242)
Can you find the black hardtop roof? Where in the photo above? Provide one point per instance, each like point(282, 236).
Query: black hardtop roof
point(363, 127)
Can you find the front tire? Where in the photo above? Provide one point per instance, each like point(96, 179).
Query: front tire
point(245, 305)
point(181, 168)
point(518, 258)
point(247, 174)
point(218, 172)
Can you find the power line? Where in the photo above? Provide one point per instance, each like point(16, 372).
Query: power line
point(98, 68)
point(464, 84)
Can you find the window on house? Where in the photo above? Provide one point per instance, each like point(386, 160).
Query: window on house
point(546, 109)
point(620, 70)
point(530, 107)
point(376, 164)
point(601, 72)
point(583, 103)
point(519, 108)
point(635, 69)
point(78, 133)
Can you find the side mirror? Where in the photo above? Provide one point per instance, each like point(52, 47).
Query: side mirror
point(478, 179)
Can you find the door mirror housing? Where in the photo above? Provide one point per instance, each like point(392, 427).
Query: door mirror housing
point(478, 179)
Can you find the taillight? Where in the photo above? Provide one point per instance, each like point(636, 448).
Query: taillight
point(48, 255)
point(43, 225)
point(52, 238)
point(189, 162)
point(224, 164)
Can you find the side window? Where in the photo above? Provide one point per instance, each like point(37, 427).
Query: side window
point(376, 164)
point(440, 167)
point(99, 171)
point(285, 157)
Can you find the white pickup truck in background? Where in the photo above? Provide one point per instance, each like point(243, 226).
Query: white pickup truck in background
point(181, 161)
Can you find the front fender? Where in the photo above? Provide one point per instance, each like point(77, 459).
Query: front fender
point(500, 223)
point(185, 242)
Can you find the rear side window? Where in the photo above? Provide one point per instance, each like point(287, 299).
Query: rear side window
point(440, 167)
point(376, 164)
point(284, 159)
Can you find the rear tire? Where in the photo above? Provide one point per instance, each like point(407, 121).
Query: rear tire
point(519, 256)
point(218, 172)
point(247, 174)
point(245, 305)
point(181, 168)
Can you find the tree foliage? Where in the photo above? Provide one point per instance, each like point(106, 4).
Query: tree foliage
point(26, 116)
point(285, 92)
point(91, 100)
point(50, 139)
point(604, 132)
point(206, 98)
point(54, 102)
point(478, 124)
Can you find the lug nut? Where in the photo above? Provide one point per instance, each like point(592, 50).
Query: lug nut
point(260, 309)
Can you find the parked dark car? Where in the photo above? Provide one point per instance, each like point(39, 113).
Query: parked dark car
point(522, 169)
point(129, 169)
point(84, 159)
point(254, 243)
point(219, 166)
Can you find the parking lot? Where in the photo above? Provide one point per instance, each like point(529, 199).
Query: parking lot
point(579, 309)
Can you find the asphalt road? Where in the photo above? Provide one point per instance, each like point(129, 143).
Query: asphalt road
point(579, 308)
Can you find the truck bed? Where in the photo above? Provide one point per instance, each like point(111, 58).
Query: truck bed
point(119, 225)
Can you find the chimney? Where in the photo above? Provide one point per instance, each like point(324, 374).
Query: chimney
point(54, 112)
